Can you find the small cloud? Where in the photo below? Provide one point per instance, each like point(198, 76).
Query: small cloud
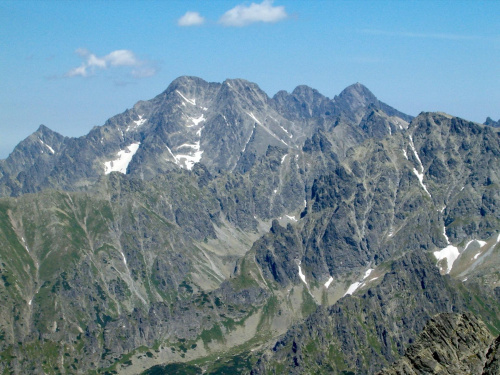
point(242, 15)
point(122, 57)
point(144, 71)
point(80, 71)
point(191, 19)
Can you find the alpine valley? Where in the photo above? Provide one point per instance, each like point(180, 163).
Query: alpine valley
point(216, 230)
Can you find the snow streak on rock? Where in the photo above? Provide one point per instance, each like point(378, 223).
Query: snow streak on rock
point(420, 175)
point(301, 275)
point(190, 101)
point(46, 145)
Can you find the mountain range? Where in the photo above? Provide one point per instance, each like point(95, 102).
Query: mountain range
point(213, 229)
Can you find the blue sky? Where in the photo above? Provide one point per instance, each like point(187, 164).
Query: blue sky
point(71, 65)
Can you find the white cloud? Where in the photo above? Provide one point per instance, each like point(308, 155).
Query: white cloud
point(121, 57)
point(191, 19)
point(242, 15)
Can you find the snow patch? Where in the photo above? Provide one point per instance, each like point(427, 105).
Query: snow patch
point(140, 122)
point(124, 157)
point(327, 284)
point(29, 303)
point(283, 158)
point(196, 121)
point(195, 145)
point(301, 275)
point(291, 218)
point(190, 101)
point(467, 244)
point(46, 145)
point(253, 117)
point(480, 243)
point(416, 154)
point(190, 159)
point(171, 153)
point(450, 253)
point(124, 259)
point(420, 177)
point(352, 288)
point(248, 140)
point(368, 272)
point(405, 154)
point(25, 246)
point(286, 131)
point(445, 235)
point(137, 123)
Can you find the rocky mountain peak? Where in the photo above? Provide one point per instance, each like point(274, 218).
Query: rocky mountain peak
point(42, 129)
point(222, 125)
point(306, 92)
point(490, 122)
point(303, 102)
point(357, 96)
point(185, 81)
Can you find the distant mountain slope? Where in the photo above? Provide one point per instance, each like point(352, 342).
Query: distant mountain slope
point(225, 126)
point(215, 222)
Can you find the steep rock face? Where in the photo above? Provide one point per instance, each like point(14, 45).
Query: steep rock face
point(492, 365)
point(360, 334)
point(439, 178)
point(449, 344)
point(353, 100)
point(30, 162)
point(303, 102)
point(227, 127)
